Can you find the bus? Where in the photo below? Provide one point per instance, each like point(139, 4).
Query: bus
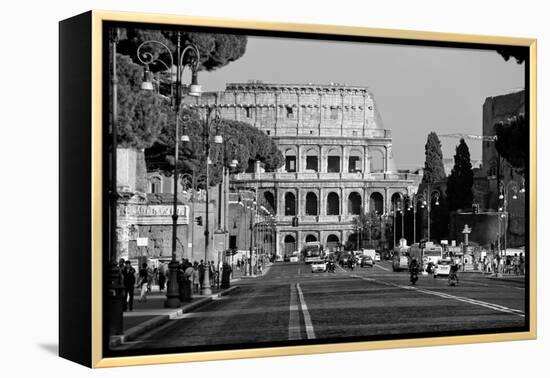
point(429, 253)
point(312, 251)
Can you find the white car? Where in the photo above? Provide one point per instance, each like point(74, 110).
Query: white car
point(294, 259)
point(377, 257)
point(442, 268)
point(318, 266)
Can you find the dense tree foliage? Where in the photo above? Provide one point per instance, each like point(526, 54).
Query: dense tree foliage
point(242, 142)
point(141, 115)
point(513, 141)
point(519, 53)
point(434, 170)
point(461, 180)
point(216, 50)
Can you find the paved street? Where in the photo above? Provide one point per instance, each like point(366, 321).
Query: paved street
point(291, 303)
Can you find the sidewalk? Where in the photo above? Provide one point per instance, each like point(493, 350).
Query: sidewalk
point(152, 313)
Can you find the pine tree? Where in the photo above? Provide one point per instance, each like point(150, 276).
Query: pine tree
point(461, 180)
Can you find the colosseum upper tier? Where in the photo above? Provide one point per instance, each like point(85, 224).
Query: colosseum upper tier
point(338, 156)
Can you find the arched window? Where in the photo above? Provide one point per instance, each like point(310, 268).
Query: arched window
point(311, 204)
point(290, 161)
point(290, 244)
point(332, 242)
point(376, 160)
point(333, 204)
point(333, 161)
point(312, 160)
point(354, 203)
point(355, 162)
point(290, 204)
point(376, 203)
point(270, 201)
point(311, 238)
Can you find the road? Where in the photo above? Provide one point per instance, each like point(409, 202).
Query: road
point(291, 303)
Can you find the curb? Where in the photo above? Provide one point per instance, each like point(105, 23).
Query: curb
point(157, 321)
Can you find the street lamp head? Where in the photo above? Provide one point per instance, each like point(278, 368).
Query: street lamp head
point(515, 196)
point(147, 84)
point(218, 139)
point(234, 163)
point(195, 89)
point(209, 161)
point(436, 202)
point(501, 196)
point(185, 138)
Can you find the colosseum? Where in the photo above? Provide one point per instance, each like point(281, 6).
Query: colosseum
point(338, 160)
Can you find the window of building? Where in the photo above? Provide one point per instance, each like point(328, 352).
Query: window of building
point(312, 163)
point(333, 164)
point(155, 186)
point(354, 203)
point(311, 204)
point(232, 241)
point(334, 113)
point(333, 204)
point(290, 204)
point(289, 112)
point(248, 112)
point(354, 164)
point(290, 163)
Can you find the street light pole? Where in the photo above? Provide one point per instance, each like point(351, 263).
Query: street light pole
point(147, 58)
point(116, 305)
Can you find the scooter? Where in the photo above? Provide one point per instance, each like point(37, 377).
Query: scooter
point(414, 277)
point(331, 267)
point(453, 279)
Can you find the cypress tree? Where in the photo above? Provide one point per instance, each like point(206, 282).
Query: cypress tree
point(434, 170)
point(461, 180)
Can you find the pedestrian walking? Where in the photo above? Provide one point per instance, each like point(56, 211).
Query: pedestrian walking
point(143, 280)
point(196, 278)
point(188, 280)
point(521, 264)
point(162, 279)
point(128, 281)
point(202, 268)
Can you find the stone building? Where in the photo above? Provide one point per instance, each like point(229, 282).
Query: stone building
point(498, 109)
point(338, 157)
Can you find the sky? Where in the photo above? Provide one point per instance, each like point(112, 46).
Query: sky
point(417, 89)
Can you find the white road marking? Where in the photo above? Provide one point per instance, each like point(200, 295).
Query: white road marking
point(310, 332)
point(381, 267)
point(293, 318)
point(491, 306)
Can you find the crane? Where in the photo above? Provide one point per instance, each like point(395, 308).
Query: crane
point(485, 138)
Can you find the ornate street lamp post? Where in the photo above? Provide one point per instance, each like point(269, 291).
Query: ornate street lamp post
point(148, 58)
point(427, 196)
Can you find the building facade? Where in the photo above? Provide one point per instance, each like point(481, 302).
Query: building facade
point(338, 157)
point(499, 109)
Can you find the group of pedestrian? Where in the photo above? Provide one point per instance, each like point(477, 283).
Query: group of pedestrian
point(132, 280)
point(190, 278)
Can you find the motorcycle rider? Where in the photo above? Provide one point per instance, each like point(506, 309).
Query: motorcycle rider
point(413, 269)
point(453, 276)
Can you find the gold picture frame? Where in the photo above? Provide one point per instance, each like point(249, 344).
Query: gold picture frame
point(94, 357)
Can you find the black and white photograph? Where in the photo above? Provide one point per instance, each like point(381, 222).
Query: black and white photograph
point(284, 189)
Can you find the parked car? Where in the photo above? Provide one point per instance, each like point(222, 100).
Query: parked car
point(377, 256)
point(318, 266)
point(442, 268)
